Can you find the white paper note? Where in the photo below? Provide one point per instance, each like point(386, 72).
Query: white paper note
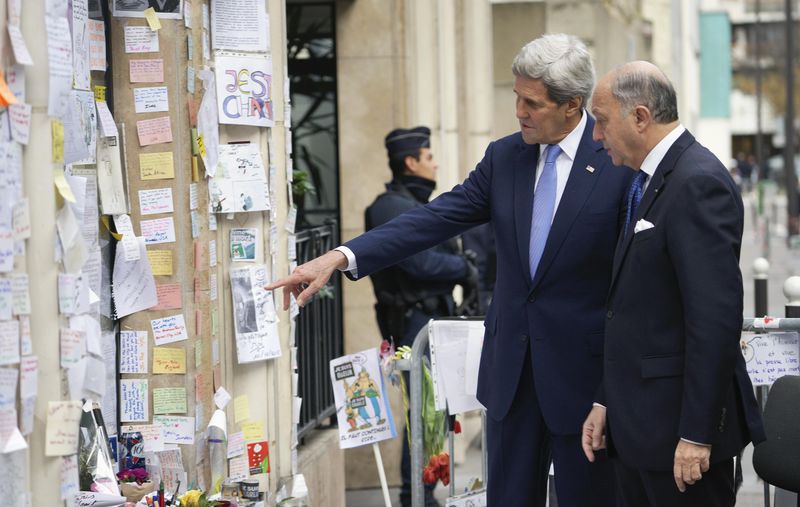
point(151, 99)
point(140, 39)
point(134, 400)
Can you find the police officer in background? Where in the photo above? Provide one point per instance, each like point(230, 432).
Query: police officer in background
point(419, 288)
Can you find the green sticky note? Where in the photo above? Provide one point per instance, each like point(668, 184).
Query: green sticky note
point(169, 400)
point(195, 146)
point(198, 354)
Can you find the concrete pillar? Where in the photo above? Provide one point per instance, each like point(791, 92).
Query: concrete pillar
point(39, 261)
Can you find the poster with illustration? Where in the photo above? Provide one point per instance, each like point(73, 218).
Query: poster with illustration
point(254, 317)
point(362, 408)
point(136, 8)
point(240, 183)
point(244, 90)
point(243, 245)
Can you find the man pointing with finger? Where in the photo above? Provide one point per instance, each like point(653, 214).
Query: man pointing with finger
point(676, 403)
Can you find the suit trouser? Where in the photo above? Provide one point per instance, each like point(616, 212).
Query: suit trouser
point(642, 488)
point(520, 448)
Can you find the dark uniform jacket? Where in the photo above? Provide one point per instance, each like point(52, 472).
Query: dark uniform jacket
point(424, 281)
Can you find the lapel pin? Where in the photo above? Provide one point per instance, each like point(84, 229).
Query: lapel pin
point(590, 168)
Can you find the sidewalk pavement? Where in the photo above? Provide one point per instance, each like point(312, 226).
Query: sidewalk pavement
point(783, 264)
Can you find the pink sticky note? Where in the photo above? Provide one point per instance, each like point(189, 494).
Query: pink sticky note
point(169, 297)
point(154, 131)
point(198, 254)
point(149, 70)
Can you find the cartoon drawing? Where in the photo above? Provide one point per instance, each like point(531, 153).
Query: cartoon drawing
point(365, 386)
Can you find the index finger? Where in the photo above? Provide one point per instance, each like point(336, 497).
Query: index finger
point(283, 282)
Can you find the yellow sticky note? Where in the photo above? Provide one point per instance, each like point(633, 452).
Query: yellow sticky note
point(253, 431)
point(100, 93)
point(160, 262)
point(156, 166)
point(241, 408)
point(152, 19)
point(169, 400)
point(57, 128)
point(169, 360)
point(201, 146)
point(195, 170)
point(62, 185)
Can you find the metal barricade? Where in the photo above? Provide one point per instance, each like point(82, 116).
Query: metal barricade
point(414, 365)
point(418, 358)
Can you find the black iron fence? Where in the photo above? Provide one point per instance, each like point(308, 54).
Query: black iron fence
point(318, 333)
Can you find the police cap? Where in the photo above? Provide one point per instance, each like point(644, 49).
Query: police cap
point(404, 142)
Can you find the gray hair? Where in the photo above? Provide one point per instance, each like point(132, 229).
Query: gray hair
point(637, 86)
point(561, 62)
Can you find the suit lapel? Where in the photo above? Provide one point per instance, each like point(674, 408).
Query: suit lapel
point(654, 188)
point(524, 183)
point(579, 185)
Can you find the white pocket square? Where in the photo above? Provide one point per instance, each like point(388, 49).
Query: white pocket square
point(642, 225)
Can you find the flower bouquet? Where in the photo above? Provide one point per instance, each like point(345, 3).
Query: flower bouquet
point(135, 483)
point(196, 498)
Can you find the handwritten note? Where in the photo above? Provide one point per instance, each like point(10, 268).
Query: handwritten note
point(156, 166)
point(28, 377)
point(169, 297)
point(133, 400)
point(151, 100)
point(169, 400)
point(147, 70)
point(235, 444)
point(133, 351)
point(160, 262)
point(241, 408)
point(97, 45)
point(108, 127)
point(21, 219)
point(155, 201)
point(159, 230)
point(134, 288)
point(155, 131)
point(61, 434)
point(244, 90)
point(59, 56)
point(72, 346)
point(771, 356)
point(20, 117)
point(21, 53)
point(253, 431)
point(177, 429)
point(169, 360)
point(169, 329)
point(6, 299)
point(152, 435)
point(9, 342)
point(140, 39)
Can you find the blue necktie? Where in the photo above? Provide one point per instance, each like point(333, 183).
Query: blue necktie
point(634, 198)
point(544, 202)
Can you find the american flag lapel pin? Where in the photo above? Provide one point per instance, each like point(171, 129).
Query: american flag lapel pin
point(590, 168)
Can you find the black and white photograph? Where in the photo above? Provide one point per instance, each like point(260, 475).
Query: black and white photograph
point(136, 8)
point(244, 308)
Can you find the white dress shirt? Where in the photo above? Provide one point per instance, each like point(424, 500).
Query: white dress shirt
point(657, 154)
point(569, 147)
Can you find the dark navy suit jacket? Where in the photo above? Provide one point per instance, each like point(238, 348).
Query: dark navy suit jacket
point(673, 366)
point(560, 314)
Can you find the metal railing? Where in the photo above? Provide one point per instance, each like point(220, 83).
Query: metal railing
point(318, 334)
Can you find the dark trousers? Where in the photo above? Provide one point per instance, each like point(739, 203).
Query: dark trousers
point(520, 448)
point(641, 488)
